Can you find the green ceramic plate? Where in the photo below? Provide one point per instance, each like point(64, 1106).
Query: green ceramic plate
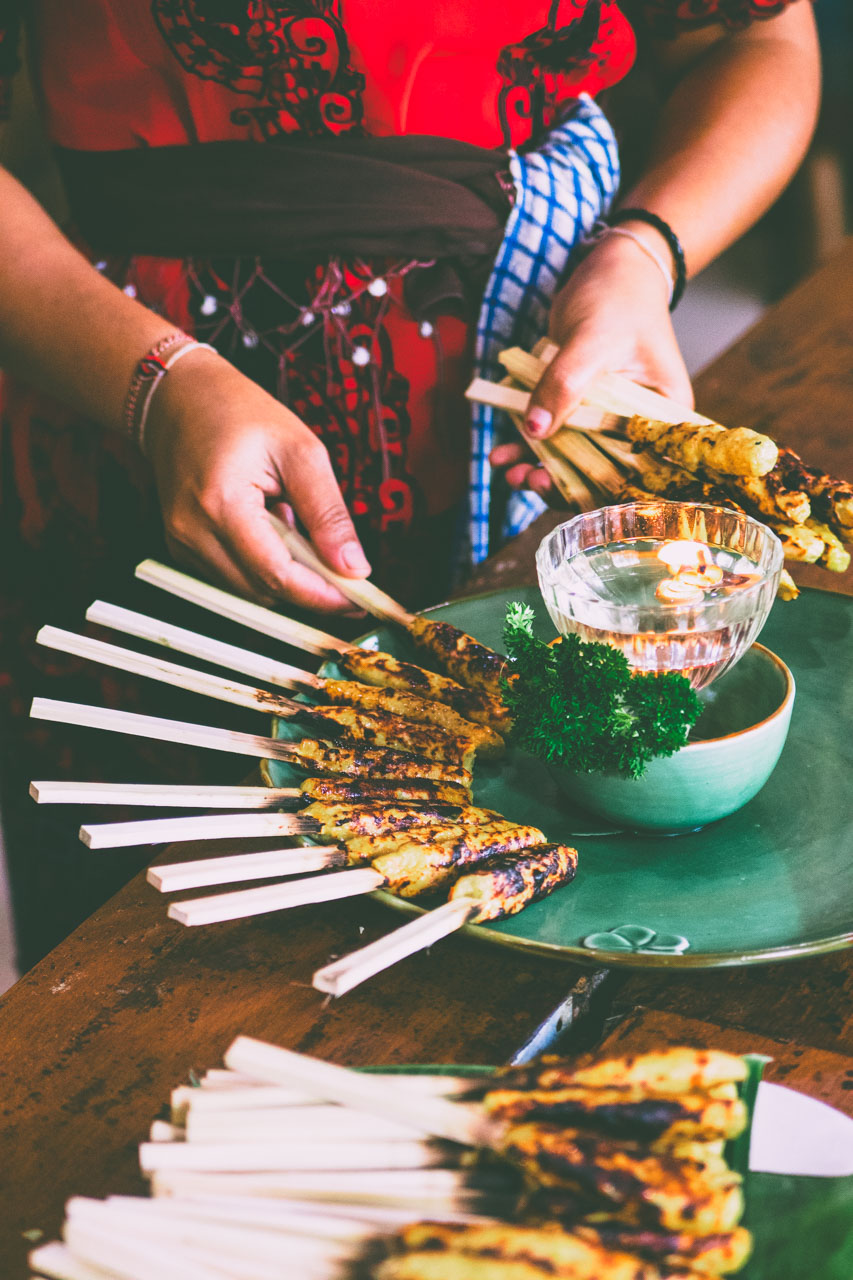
point(801, 1227)
point(772, 881)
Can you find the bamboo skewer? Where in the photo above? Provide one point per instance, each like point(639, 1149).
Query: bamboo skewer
point(156, 795)
point(441, 1188)
point(172, 673)
point(344, 974)
point(359, 590)
point(202, 647)
point(140, 726)
point(230, 869)
point(227, 826)
point(304, 1156)
point(226, 605)
point(216, 908)
point(452, 1121)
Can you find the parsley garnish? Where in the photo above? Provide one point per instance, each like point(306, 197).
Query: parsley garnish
point(577, 703)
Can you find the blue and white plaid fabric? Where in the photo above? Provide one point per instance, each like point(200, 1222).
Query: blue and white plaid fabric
point(561, 191)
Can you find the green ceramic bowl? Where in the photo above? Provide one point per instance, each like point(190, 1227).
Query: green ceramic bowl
point(733, 750)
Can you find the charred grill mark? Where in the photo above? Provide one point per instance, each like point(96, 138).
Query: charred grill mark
point(354, 759)
point(383, 669)
point(472, 663)
point(508, 884)
point(352, 791)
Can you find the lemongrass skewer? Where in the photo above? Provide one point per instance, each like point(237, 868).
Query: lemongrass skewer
point(56, 1261)
point(216, 908)
point(230, 606)
point(230, 869)
point(453, 1189)
point(202, 647)
point(161, 796)
point(140, 726)
point(344, 974)
point(209, 826)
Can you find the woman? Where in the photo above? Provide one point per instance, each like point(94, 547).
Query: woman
point(335, 388)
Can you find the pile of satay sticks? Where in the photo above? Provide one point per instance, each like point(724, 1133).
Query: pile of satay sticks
point(392, 752)
point(281, 1165)
point(626, 443)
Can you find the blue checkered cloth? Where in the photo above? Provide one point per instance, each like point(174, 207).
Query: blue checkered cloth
point(562, 189)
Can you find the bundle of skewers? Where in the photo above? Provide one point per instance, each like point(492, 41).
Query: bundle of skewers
point(627, 444)
point(388, 803)
point(607, 1169)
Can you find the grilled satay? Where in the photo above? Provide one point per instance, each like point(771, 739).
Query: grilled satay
point(386, 730)
point(420, 865)
point(505, 1251)
point(697, 1193)
point(768, 495)
point(664, 1073)
point(417, 710)
point(389, 672)
point(370, 791)
point(474, 665)
point(734, 451)
point(340, 821)
point(631, 1113)
point(509, 883)
point(711, 1255)
point(365, 762)
point(832, 500)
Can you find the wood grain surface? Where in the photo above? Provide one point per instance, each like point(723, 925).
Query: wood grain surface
point(96, 1035)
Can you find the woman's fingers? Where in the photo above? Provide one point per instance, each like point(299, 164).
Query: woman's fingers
point(315, 497)
point(505, 455)
point(561, 388)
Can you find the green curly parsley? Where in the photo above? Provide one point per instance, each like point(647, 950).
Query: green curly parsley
point(577, 703)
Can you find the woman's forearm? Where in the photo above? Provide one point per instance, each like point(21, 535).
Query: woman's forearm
point(63, 327)
point(732, 133)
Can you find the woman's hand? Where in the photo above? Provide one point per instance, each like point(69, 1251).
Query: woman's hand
point(224, 452)
point(611, 317)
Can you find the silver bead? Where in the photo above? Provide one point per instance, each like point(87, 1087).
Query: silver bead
point(208, 305)
point(130, 290)
point(378, 287)
point(341, 309)
point(250, 339)
point(426, 329)
point(360, 356)
point(307, 318)
point(102, 265)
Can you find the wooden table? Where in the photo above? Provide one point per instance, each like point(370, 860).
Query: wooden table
point(96, 1035)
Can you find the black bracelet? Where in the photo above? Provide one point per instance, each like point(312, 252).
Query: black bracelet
point(644, 215)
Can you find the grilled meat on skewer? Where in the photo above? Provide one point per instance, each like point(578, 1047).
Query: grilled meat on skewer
point(505, 1251)
point(690, 1117)
point(386, 730)
point(832, 500)
point(711, 1255)
point(421, 866)
point(676, 1193)
point(410, 707)
point(371, 791)
point(734, 451)
point(473, 664)
point(344, 820)
point(509, 883)
point(365, 762)
point(661, 1074)
point(385, 670)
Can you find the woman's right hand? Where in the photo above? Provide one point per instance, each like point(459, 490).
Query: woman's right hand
point(224, 452)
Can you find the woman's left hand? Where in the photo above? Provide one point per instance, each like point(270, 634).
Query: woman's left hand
point(611, 317)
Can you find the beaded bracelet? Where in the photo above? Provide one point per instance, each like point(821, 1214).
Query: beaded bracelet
point(672, 240)
point(149, 371)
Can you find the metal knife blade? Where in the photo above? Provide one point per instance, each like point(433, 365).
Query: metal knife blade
point(795, 1134)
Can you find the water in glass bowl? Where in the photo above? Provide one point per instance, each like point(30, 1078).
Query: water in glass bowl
point(659, 601)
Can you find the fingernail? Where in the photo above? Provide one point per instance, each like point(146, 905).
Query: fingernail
point(538, 421)
point(354, 558)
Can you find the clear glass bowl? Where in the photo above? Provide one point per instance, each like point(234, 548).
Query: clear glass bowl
point(599, 571)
